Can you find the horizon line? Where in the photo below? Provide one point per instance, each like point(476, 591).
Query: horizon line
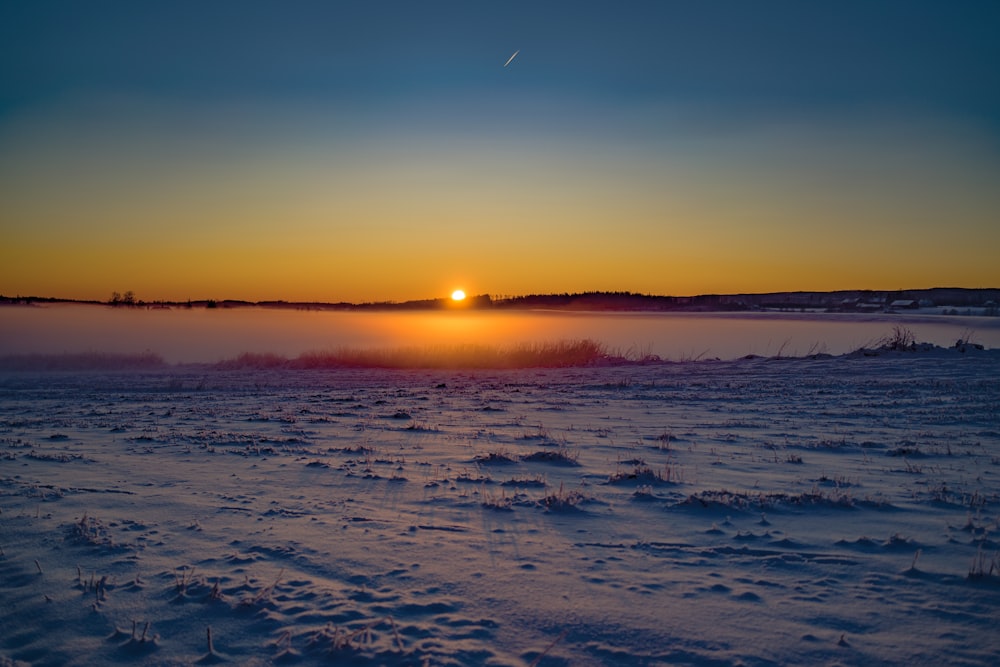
point(130, 299)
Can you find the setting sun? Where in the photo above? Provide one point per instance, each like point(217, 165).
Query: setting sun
point(458, 295)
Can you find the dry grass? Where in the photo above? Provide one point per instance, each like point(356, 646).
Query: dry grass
point(264, 595)
point(93, 531)
point(526, 481)
point(496, 456)
point(558, 354)
point(561, 456)
point(985, 567)
point(336, 640)
point(748, 500)
point(645, 475)
point(253, 360)
point(899, 339)
point(496, 501)
point(562, 500)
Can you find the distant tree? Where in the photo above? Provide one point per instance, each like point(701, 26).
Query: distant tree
point(128, 299)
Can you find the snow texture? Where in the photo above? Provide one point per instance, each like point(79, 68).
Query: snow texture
point(751, 512)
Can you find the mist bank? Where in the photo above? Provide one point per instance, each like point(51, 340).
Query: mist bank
point(213, 335)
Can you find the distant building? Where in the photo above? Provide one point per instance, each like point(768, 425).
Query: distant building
point(849, 304)
point(904, 304)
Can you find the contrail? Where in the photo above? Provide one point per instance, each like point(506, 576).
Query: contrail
point(512, 57)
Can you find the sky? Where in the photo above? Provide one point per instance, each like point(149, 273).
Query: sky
point(381, 151)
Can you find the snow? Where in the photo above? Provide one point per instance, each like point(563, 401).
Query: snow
point(836, 510)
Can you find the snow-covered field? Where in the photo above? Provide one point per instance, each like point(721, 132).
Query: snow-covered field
point(761, 511)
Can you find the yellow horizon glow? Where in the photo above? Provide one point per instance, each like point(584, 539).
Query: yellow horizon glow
point(396, 221)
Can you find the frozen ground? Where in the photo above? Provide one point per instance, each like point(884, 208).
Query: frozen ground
point(809, 511)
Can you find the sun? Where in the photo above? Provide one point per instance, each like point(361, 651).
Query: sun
point(458, 295)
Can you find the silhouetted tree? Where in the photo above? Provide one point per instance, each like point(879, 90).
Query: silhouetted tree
point(127, 299)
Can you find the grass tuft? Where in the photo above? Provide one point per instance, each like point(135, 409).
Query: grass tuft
point(645, 475)
point(561, 456)
point(562, 500)
point(984, 567)
point(496, 456)
point(557, 354)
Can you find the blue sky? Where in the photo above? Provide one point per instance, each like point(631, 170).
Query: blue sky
point(751, 55)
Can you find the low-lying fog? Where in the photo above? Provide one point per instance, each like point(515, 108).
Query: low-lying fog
point(207, 335)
